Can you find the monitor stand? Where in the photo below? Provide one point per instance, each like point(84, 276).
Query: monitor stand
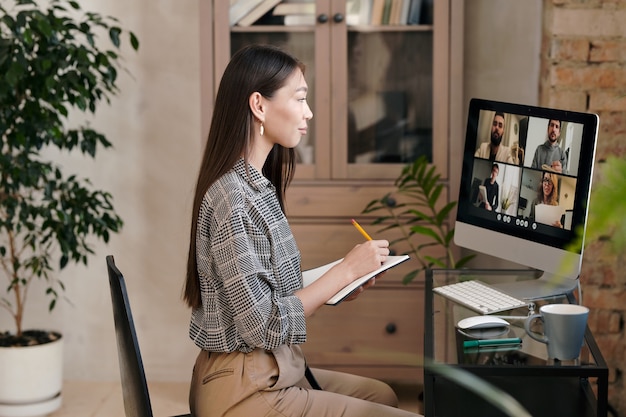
point(547, 285)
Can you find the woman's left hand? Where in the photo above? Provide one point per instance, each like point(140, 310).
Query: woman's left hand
point(355, 294)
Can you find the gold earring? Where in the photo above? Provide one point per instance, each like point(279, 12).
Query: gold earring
point(262, 129)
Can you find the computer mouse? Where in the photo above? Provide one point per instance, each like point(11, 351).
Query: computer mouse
point(481, 322)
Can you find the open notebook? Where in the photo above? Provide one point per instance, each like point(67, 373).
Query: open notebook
point(311, 275)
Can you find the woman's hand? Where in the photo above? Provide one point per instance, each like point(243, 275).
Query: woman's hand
point(361, 260)
point(365, 258)
point(355, 294)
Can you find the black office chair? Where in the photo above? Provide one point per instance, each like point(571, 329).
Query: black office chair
point(134, 386)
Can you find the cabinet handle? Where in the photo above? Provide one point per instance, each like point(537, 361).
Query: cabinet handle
point(323, 18)
point(338, 18)
point(391, 328)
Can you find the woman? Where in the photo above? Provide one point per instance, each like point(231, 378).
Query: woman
point(244, 282)
point(548, 193)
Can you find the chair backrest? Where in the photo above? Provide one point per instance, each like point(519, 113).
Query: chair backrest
point(134, 386)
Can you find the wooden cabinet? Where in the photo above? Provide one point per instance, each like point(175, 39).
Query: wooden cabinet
point(380, 95)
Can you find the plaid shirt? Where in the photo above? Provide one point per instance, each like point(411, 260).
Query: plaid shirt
point(249, 268)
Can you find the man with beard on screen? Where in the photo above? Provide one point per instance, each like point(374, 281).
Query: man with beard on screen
point(494, 150)
point(549, 155)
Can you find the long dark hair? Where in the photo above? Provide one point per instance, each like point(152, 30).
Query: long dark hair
point(254, 68)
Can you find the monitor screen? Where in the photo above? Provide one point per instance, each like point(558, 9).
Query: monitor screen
point(525, 184)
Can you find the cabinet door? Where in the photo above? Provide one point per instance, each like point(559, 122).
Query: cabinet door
point(371, 85)
point(378, 335)
point(389, 89)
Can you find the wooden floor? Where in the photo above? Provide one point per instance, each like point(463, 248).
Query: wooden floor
point(104, 399)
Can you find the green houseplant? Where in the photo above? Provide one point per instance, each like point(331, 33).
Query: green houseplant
point(607, 207)
point(414, 209)
point(52, 65)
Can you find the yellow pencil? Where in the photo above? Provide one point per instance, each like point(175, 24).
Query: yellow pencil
point(360, 229)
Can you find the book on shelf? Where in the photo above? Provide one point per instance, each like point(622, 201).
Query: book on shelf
point(299, 20)
point(404, 12)
point(284, 9)
point(377, 12)
point(394, 12)
point(415, 11)
point(358, 12)
point(311, 275)
point(402, 15)
point(259, 11)
point(240, 8)
point(386, 12)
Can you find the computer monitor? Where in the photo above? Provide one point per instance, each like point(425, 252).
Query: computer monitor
point(532, 211)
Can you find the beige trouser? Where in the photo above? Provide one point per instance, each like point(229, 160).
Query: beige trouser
point(272, 383)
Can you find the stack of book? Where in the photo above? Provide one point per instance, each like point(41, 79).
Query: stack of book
point(296, 12)
point(247, 12)
point(288, 12)
point(302, 12)
point(396, 12)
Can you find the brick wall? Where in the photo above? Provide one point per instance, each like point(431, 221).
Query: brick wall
point(583, 68)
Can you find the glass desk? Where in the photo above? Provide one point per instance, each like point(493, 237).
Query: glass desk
point(541, 386)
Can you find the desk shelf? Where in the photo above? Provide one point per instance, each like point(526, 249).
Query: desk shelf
point(570, 388)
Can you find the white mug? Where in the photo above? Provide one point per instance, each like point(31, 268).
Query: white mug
point(563, 329)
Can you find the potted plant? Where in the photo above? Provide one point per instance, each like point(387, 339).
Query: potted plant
point(414, 209)
point(52, 64)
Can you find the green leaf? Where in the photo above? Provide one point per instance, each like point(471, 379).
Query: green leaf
point(435, 261)
point(427, 232)
point(114, 35)
point(13, 74)
point(410, 276)
point(134, 42)
point(463, 261)
point(45, 27)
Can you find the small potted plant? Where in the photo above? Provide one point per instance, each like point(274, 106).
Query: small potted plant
point(414, 209)
point(52, 63)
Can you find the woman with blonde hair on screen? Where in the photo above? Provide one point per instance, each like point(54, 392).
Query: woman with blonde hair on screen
point(548, 193)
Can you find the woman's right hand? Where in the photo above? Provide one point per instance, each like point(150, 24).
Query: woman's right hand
point(365, 257)
point(361, 260)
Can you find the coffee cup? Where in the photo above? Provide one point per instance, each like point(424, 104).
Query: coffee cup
point(563, 329)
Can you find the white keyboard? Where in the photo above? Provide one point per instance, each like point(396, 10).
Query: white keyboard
point(479, 297)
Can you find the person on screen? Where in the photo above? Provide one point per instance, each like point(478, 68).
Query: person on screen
point(494, 150)
point(244, 280)
point(550, 155)
point(548, 193)
point(492, 189)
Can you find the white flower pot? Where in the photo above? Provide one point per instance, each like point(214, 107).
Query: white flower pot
point(31, 378)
